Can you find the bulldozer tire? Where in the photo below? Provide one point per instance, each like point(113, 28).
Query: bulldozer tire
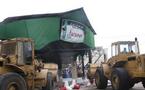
point(120, 79)
point(131, 84)
point(143, 83)
point(12, 81)
point(49, 84)
point(100, 80)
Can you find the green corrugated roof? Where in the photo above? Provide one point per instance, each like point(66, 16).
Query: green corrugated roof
point(2, 30)
point(77, 14)
point(44, 28)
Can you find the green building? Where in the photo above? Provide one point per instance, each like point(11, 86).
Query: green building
point(58, 37)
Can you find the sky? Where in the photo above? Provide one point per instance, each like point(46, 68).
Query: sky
point(113, 20)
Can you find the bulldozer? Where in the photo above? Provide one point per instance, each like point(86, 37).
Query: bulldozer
point(124, 69)
point(20, 70)
point(99, 55)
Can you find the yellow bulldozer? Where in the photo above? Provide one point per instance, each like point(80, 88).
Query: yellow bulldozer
point(19, 70)
point(125, 68)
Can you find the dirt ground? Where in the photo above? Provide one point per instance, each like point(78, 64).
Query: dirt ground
point(93, 87)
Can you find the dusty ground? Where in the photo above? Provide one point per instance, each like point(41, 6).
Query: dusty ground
point(136, 87)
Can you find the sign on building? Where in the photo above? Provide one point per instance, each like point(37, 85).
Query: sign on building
point(72, 31)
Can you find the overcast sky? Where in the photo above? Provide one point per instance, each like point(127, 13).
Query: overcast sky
point(112, 20)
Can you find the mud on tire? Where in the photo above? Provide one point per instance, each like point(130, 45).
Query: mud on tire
point(100, 79)
point(120, 79)
point(12, 81)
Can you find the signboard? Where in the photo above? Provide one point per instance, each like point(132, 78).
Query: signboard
point(72, 31)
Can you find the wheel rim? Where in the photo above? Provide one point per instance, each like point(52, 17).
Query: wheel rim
point(97, 79)
point(115, 82)
point(12, 86)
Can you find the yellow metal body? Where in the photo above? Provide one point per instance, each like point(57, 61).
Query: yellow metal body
point(33, 71)
point(135, 67)
point(132, 62)
point(92, 70)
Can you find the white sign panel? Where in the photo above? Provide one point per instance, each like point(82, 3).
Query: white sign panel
point(72, 32)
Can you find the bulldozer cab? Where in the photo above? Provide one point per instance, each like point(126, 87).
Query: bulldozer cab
point(17, 51)
point(124, 47)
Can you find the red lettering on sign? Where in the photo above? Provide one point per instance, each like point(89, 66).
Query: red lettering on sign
point(74, 34)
